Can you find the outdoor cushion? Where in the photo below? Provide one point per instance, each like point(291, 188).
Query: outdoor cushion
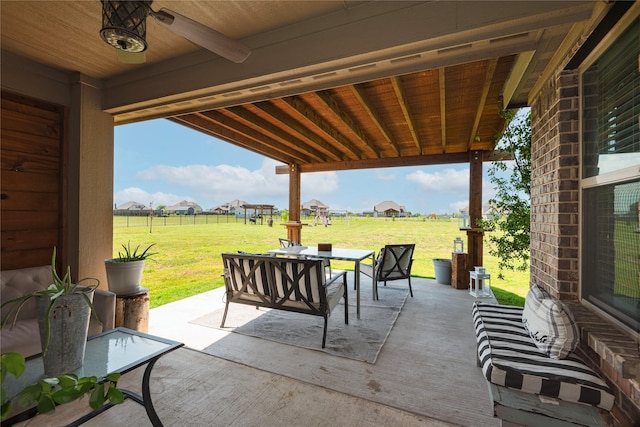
point(24, 337)
point(509, 358)
point(549, 323)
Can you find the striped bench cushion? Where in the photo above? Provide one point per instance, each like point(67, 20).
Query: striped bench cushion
point(510, 358)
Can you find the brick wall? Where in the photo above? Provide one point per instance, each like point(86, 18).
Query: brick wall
point(555, 240)
point(554, 191)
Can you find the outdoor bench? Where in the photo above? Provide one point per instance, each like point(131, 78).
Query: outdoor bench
point(527, 387)
point(291, 284)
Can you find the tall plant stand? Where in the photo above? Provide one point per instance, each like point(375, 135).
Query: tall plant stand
point(132, 311)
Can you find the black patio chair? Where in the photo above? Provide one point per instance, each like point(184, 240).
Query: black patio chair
point(393, 263)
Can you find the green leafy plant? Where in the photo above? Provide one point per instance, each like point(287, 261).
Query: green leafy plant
point(60, 286)
point(51, 391)
point(511, 207)
point(135, 254)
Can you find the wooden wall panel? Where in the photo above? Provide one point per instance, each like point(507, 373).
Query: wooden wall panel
point(31, 180)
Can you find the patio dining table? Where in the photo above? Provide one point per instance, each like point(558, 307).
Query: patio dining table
point(339, 254)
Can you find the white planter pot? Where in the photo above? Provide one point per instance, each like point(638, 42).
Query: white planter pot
point(124, 277)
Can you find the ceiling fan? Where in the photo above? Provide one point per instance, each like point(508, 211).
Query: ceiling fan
point(124, 27)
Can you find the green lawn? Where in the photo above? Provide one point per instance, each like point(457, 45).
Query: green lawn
point(188, 260)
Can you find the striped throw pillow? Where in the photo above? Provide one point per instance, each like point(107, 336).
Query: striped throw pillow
point(550, 324)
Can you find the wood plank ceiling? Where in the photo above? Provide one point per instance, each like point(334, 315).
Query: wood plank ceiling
point(427, 117)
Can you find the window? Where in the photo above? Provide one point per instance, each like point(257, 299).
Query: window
point(610, 88)
point(611, 107)
point(611, 272)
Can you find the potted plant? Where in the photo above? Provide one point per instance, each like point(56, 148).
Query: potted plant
point(51, 391)
point(63, 311)
point(124, 273)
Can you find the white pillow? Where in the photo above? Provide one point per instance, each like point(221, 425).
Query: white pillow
point(550, 324)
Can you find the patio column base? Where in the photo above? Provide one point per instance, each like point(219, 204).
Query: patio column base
point(294, 230)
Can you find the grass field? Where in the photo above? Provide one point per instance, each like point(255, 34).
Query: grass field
point(189, 262)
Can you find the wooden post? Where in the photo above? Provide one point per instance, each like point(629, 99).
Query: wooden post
point(294, 226)
point(132, 311)
point(474, 235)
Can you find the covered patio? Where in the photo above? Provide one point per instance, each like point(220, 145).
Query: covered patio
point(321, 90)
point(337, 85)
point(425, 374)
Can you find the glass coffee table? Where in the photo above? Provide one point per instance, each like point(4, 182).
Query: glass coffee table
point(118, 350)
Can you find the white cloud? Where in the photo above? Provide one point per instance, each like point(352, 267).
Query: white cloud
point(385, 176)
point(222, 182)
point(314, 185)
point(488, 191)
point(446, 181)
point(211, 185)
point(456, 206)
point(135, 194)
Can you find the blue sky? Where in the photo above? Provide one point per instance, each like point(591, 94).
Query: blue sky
point(162, 162)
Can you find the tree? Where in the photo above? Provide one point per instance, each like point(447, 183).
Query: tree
point(510, 222)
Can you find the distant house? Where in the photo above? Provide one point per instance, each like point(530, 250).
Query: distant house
point(220, 210)
point(236, 205)
point(131, 206)
point(486, 211)
point(309, 208)
point(184, 207)
point(389, 209)
point(131, 209)
point(230, 208)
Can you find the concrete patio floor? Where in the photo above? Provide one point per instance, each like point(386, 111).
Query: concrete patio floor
point(425, 374)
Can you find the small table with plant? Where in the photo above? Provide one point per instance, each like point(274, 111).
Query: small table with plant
point(118, 350)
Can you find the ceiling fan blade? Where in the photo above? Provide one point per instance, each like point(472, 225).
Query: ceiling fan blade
point(202, 35)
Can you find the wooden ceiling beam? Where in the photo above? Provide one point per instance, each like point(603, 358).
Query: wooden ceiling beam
point(276, 114)
point(406, 110)
point(488, 79)
point(277, 133)
point(388, 162)
point(258, 138)
point(322, 125)
point(204, 125)
point(366, 103)
point(443, 108)
point(332, 105)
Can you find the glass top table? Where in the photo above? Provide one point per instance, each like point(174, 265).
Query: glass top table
point(118, 350)
point(339, 254)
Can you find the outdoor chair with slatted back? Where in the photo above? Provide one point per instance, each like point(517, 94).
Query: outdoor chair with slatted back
point(393, 263)
point(290, 284)
point(286, 243)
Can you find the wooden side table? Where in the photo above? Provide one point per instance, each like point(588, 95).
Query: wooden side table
point(459, 270)
point(132, 311)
